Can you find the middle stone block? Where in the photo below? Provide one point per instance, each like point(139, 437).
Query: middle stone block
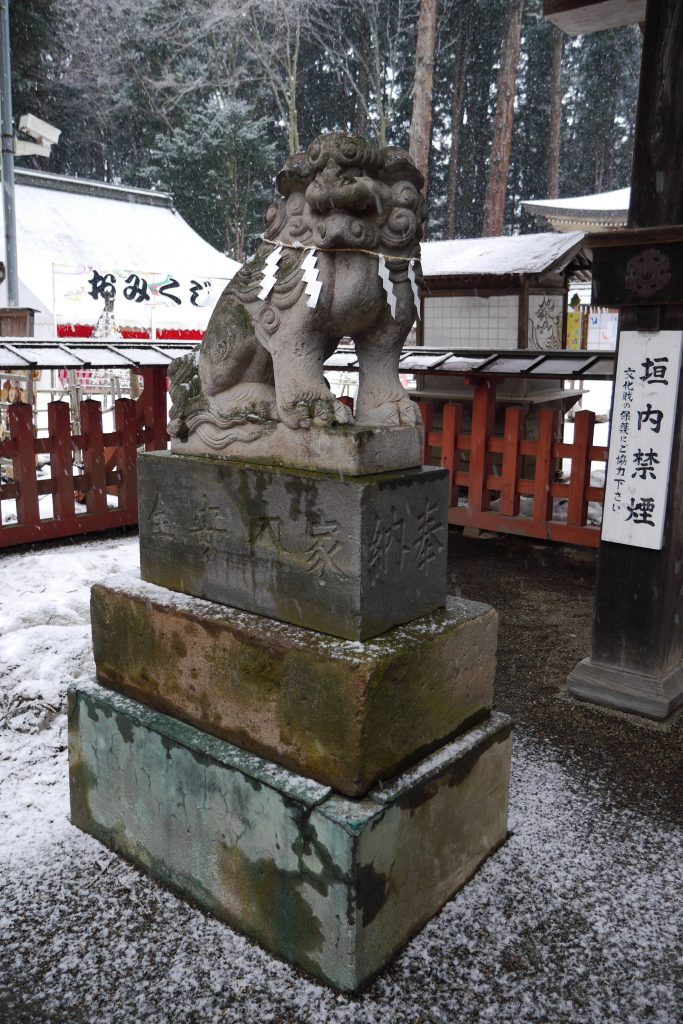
point(343, 713)
point(348, 556)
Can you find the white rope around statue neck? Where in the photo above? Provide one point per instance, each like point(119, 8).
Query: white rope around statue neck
point(318, 248)
point(310, 271)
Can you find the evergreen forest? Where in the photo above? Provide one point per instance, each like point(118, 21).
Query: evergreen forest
point(205, 100)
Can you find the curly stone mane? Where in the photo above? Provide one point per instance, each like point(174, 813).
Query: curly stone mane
point(346, 192)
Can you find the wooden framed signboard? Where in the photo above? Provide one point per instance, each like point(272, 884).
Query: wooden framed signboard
point(641, 437)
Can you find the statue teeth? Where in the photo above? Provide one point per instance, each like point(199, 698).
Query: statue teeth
point(388, 286)
point(270, 273)
point(313, 285)
point(413, 285)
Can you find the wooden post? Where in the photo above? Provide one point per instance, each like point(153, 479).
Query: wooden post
point(126, 452)
point(93, 457)
point(451, 425)
point(544, 474)
point(512, 461)
point(635, 663)
point(24, 462)
point(483, 413)
point(427, 414)
point(61, 460)
point(154, 407)
point(577, 510)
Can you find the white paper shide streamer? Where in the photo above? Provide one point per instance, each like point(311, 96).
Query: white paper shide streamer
point(413, 285)
point(388, 286)
point(270, 273)
point(313, 285)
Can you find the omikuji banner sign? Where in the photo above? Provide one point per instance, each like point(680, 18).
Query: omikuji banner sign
point(135, 292)
point(641, 437)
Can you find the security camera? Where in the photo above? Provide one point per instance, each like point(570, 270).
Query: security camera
point(46, 136)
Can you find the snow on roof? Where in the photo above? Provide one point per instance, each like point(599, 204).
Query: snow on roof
point(86, 186)
point(591, 213)
point(618, 200)
point(505, 254)
point(70, 230)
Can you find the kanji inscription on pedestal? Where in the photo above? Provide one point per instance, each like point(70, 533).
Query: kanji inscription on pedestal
point(641, 437)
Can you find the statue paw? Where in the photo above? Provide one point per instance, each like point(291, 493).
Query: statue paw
point(321, 411)
point(245, 402)
point(409, 412)
point(396, 412)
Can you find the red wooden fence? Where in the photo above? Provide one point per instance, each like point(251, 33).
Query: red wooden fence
point(477, 448)
point(109, 464)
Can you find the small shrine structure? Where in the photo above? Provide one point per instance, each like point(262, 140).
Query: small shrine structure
point(507, 292)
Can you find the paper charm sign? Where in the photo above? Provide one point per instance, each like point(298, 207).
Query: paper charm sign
point(641, 437)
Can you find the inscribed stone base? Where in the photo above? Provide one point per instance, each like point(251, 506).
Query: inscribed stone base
point(651, 696)
point(334, 885)
point(344, 713)
point(351, 451)
point(347, 556)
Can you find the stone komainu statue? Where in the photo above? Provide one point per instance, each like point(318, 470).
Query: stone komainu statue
point(340, 257)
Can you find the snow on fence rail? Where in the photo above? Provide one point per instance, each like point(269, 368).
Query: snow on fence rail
point(477, 449)
point(108, 464)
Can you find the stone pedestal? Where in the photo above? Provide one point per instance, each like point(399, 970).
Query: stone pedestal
point(347, 556)
point(344, 713)
point(294, 728)
point(336, 886)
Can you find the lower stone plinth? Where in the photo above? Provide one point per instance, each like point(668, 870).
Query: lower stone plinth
point(336, 886)
point(342, 712)
point(348, 556)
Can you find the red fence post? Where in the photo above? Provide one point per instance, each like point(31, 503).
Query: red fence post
point(345, 400)
point(126, 452)
point(511, 469)
point(427, 414)
point(24, 462)
point(577, 509)
point(154, 407)
point(451, 425)
point(483, 415)
point(61, 460)
point(544, 473)
point(93, 456)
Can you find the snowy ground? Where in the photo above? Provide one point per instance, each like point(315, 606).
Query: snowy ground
point(575, 919)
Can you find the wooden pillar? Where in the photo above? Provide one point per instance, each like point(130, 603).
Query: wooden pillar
point(154, 406)
point(483, 418)
point(126, 453)
point(636, 657)
point(61, 460)
point(21, 432)
point(93, 457)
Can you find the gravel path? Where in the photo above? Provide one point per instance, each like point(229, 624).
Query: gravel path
point(575, 919)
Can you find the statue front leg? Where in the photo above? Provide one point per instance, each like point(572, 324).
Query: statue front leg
point(382, 399)
point(303, 398)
